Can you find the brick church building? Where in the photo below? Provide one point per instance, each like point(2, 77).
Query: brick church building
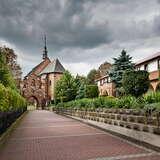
point(38, 85)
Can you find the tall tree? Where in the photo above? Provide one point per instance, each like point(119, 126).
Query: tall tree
point(66, 88)
point(80, 79)
point(6, 77)
point(121, 64)
point(14, 67)
point(92, 76)
point(81, 93)
point(103, 69)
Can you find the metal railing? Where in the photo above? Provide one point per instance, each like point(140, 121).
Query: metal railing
point(7, 118)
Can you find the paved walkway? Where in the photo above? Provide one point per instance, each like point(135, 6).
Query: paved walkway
point(43, 135)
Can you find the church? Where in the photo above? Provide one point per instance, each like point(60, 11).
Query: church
point(38, 85)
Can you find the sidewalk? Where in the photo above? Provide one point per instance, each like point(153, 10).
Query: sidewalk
point(43, 135)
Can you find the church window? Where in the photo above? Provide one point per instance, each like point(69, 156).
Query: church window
point(33, 82)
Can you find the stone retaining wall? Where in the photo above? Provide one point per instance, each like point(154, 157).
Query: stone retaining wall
point(129, 118)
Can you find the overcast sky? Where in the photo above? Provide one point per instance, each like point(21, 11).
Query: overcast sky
point(81, 33)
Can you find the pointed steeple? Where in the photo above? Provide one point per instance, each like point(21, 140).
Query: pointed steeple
point(45, 55)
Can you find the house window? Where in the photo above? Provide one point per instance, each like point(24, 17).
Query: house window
point(146, 67)
point(109, 80)
point(105, 80)
point(152, 66)
point(101, 82)
point(138, 68)
point(158, 63)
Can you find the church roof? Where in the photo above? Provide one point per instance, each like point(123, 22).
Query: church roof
point(53, 67)
point(40, 67)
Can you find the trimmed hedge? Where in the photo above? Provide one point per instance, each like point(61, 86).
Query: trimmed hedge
point(10, 100)
point(12, 105)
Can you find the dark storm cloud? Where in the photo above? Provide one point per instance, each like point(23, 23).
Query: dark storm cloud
point(86, 30)
point(24, 22)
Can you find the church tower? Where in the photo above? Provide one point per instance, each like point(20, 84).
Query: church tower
point(45, 55)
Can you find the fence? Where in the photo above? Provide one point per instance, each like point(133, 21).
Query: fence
point(7, 118)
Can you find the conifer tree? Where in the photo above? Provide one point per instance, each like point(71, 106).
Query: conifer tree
point(81, 91)
point(121, 64)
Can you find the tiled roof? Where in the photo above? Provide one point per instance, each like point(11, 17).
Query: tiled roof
point(149, 58)
point(39, 68)
point(101, 77)
point(53, 67)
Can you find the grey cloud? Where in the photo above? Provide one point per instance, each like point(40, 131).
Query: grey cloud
point(81, 29)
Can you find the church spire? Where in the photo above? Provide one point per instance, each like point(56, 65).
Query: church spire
point(45, 48)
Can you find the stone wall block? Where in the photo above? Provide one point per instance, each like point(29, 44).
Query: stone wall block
point(118, 117)
point(136, 127)
point(141, 119)
point(112, 116)
point(124, 118)
point(130, 119)
point(156, 130)
point(145, 129)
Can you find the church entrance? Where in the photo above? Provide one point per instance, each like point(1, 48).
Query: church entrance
point(33, 103)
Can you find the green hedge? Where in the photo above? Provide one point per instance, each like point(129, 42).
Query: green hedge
point(127, 102)
point(10, 99)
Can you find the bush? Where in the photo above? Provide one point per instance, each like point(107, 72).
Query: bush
point(127, 102)
point(10, 99)
point(4, 99)
point(152, 97)
point(135, 83)
point(100, 102)
point(151, 100)
point(92, 91)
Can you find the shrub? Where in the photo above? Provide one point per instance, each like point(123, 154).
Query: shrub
point(127, 102)
point(92, 91)
point(10, 99)
point(110, 102)
point(147, 102)
point(4, 100)
point(135, 83)
point(152, 97)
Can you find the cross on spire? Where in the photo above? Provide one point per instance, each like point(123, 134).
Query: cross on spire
point(45, 48)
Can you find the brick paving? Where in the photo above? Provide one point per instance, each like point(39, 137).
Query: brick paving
point(43, 135)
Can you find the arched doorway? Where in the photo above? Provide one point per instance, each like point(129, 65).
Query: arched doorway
point(33, 103)
point(158, 87)
point(151, 89)
point(105, 93)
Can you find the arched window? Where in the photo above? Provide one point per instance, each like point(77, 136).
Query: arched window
point(33, 82)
